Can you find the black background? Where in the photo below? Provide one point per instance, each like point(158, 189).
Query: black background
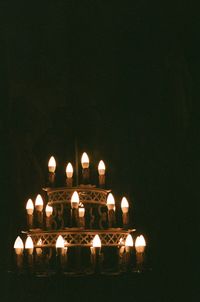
point(123, 79)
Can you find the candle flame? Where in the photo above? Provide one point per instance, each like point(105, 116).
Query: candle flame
point(29, 243)
point(60, 242)
point(39, 243)
point(85, 160)
point(81, 210)
point(18, 243)
point(140, 244)
point(48, 210)
point(39, 200)
point(52, 164)
point(124, 205)
point(96, 241)
point(30, 207)
point(101, 168)
point(129, 240)
point(75, 197)
point(110, 199)
point(69, 170)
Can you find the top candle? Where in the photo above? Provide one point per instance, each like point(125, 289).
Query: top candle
point(85, 161)
point(52, 164)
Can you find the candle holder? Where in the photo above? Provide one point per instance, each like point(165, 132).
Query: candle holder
point(61, 255)
point(39, 218)
point(29, 221)
point(111, 217)
point(128, 252)
point(140, 245)
point(140, 262)
point(69, 182)
point(96, 259)
point(74, 217)
point(86, 176)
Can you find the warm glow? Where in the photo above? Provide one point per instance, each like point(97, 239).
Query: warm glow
point(29, 243)
point(18, 243)
point(96, 241)
point(52, 164)
point(81, 210)
point(124, 205)
point(48, 210)
point(110, 199)
point(29, 207)
point(39, 243)
point(101, 168)
point(39, 202)
point(75, 199)
point(140, 244)
point(129, 240)
point(69, 170)
point(85, 160)
point(60, 242)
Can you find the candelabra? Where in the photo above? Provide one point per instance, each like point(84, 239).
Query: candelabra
point(80, 232)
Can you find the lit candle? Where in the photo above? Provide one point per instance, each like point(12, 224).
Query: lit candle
point(129, 250)
point(69, 174)
point(39, 207)
point(81, 214)
point(38, 247)
point(29, 253)
point(39, 255)
point(95, 253)
point(61, 253)
point(124, 207)
point(48, 211)
point(85, 167)
point(19, 247)
point(101, 170)
point(29, 210)
point(111, 210)
point(52, 168)
point(140, 245)
point(74, 209)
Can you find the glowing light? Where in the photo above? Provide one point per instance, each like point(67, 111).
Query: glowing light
point(75, 199)
point(39, 243)
point(129, 240)
point(48, 210)
point(69, 170)
point(81, 210)
point(52, 164)
point(140, 244)
point(29, 243)
point(124, 205)
point(85, 161)
point(18, 243)
point(29, 207)
point(101, 168)
point(110, 199)
point(39, 202)
point(60, 242)
point(96, 241)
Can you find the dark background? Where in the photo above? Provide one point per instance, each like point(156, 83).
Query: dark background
point(122, 78)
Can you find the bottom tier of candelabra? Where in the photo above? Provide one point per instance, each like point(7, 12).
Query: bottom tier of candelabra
point(79, 257)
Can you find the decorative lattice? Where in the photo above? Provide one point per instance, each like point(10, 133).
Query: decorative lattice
point(86, 195)
point(80, 237)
